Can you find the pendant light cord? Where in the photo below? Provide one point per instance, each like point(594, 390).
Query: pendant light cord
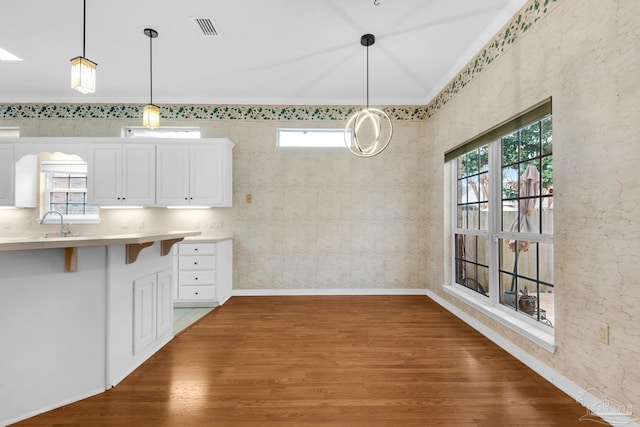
point(367, 77)
point(151, 69)
point(84, 26)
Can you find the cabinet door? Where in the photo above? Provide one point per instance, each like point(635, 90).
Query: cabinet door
point(104, 186)
point(207, 164)
point(6, 175)
point(172, 166)
point(139, 174)
point(165, 302)
point(144, 312)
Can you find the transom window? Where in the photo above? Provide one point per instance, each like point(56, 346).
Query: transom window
point(162, 132)
point(312, 138)
point(503, 228)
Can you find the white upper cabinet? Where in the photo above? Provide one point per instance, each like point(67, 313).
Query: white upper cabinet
point(6, 175)
point(196, 174)
point(121, 174)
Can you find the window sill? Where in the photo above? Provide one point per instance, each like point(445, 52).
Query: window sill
point(69, 221)
point(544, 339)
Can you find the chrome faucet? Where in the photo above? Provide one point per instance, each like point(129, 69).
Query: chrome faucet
point(64, 232)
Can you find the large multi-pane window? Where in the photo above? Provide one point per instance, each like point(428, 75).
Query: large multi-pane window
point(503, 230)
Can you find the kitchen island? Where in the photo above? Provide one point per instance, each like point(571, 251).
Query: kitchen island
point(78, 314)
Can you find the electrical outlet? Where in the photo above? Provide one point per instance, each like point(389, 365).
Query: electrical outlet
point(124, 225)
point(216, 224)
point(603, 333)
point(141, 224)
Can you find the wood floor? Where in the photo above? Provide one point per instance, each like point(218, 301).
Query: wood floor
point(327, 361)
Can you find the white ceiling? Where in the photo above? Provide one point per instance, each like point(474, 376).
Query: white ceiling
point(268, 51)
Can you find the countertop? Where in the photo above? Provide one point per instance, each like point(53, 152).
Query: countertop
point(204, 238)
point(27, 242)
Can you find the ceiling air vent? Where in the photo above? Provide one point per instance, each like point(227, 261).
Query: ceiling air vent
point(206, 26)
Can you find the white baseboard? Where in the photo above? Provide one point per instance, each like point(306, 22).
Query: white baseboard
point(197, 304)
point(138, 359)
point(52, 407)
point(594, 403)
point(329, 291)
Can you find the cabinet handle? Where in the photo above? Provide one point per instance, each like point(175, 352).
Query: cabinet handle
point(196, 278)
point(196, 293)
point(186, 198)
point(195, 263)
point(196, 249)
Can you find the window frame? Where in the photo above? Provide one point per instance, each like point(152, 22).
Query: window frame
point(529, 327)
point(51, 167)
point(336, 131)
point(183, 132)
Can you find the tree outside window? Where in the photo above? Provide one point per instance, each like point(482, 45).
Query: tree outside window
point(505, 253)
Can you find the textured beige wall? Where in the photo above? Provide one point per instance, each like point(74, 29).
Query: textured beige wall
point(323, 218)
point(584, 54)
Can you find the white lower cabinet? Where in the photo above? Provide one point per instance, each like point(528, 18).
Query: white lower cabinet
point(203, 274)
point(152, 307)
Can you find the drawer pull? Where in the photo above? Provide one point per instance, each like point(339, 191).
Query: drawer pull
point(195, 263)
point(196, 278)
point(196, 293)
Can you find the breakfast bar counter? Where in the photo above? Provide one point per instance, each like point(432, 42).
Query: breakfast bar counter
point(69, 335)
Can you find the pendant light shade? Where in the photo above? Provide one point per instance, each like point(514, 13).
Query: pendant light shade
point(83, 75)
point(151, 116)
point(368, 131)
point(83, 70)
point(151, 112)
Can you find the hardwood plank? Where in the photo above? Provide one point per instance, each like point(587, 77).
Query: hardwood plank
point(327, 361)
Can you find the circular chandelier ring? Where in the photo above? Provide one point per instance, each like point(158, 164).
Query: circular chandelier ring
point(379, 142)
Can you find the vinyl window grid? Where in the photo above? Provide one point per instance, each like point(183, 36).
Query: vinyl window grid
point(480, 227)
point(66, 192)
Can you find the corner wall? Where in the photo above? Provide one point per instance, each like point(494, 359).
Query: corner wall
point(584, 54)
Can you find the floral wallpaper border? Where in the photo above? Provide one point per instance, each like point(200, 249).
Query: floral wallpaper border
point(531, 13)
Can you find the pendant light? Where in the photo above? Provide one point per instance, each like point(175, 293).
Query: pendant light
point(368, 131)
point(83, 71)
point(151, 112)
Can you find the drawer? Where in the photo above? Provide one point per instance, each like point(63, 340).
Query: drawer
point(197, 249)
point(197, 292)
point(197, 262)
point(197, 277)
